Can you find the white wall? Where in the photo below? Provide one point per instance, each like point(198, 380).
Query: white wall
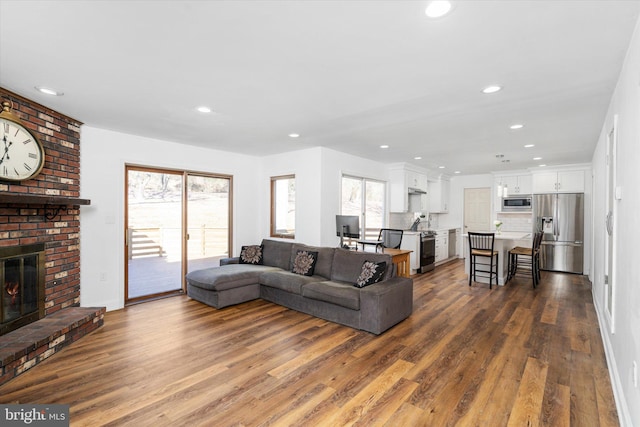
point(318, 173)
point(333, 165)
point(623, 346)
point(305, 164)
point(455, 217)
point(103, 156)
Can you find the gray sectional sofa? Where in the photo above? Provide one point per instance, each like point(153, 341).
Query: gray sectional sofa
point(329, 293)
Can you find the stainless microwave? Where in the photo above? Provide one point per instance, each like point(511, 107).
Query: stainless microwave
point(516, 204)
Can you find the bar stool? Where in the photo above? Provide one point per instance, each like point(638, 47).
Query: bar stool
point(481, 245)
point(526, 260)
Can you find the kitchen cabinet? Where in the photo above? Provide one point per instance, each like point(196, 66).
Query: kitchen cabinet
point(559, 182)
point(442, 246)
point(400, 181)
point(439, 196)
point(516, 184)
point(411, 242)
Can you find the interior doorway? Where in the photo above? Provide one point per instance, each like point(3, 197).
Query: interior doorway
point(175, 222)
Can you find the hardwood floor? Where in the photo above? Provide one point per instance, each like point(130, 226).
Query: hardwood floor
point(468, 356)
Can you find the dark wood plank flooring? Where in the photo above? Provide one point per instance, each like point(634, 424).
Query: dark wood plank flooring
point(468, 356)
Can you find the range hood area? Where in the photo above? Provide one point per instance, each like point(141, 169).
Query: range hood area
point(413, 190)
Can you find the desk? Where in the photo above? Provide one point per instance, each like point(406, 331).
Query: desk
point(400, 258)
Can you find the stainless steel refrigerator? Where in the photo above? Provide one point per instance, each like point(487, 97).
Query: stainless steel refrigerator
point(561, 218)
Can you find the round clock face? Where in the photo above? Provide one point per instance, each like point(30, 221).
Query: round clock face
point(22, 156)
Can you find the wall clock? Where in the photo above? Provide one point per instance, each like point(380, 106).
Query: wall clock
point(22, 155)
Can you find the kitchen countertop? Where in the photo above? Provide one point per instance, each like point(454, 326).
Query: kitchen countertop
point(509, 235)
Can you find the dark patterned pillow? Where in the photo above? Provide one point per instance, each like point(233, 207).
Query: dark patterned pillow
point(305, 263)
point(371, 273)
point(251, 255)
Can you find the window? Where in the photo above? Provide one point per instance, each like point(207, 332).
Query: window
point(365, 198)
point(283, 206)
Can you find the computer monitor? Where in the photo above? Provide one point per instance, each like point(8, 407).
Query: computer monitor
point(347, 226)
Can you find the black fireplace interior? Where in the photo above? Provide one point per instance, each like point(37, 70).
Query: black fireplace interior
point(22, 292)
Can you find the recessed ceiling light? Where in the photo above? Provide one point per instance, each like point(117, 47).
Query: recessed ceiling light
point(384, 146)
point(529, 145)
point(438, 8)
point(516, 126)
point(492, 89)
point(542, 166)
point(294, 135)
point(417, 158)
point(203, 109)
point(440, 167)
point(48, 91)
point(457, 172)
point(537, 158)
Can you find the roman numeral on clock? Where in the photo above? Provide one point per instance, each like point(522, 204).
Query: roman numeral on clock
point(33, 156)
point(6, 128)
point(27, 141)
point(27, 167)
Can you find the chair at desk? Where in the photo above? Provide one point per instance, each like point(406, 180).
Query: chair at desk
point(388, 238)
point(481, 245)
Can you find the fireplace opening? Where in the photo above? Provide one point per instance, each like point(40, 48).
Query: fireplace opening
point(22, 286)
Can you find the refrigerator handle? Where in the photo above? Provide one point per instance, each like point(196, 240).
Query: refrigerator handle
point(556, 219)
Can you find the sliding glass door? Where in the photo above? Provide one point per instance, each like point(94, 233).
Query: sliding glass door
point(176, 222)
point(365, 198)
point(208, 220)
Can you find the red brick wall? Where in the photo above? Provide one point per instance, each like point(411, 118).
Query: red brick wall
point(22, 224)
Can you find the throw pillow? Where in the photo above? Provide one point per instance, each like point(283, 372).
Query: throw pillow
point(251, 255)
point(371, 273)
point(305, 263)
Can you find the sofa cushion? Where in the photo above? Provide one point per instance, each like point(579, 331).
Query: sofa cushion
point(287, 281)
point(277, 254)
point(251, 255)
point(325, 258)
point(304, 262)
point(227, 276)
point(347, 265)
point(370, 273)
point(342, 294)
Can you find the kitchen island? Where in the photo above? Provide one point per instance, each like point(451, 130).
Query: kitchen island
point(504, 242)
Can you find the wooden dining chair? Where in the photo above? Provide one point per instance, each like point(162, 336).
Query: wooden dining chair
point(523, 260)
point(482, 245)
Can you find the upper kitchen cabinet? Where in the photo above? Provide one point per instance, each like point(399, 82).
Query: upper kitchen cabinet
point(439, 196)
point(408, 191)
point(516, 184)
point(559, 182)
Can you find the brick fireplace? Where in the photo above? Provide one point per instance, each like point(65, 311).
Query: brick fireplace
point(45, 212)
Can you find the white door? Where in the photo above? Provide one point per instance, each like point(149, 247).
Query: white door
point(477, 209)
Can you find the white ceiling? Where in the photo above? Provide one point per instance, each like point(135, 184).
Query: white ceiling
point(348, 75)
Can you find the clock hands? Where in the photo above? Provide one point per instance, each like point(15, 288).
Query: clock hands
point(6, 149)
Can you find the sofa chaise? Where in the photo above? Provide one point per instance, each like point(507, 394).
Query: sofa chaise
point(356, 289)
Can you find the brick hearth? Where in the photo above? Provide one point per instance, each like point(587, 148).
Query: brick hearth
point(25, 347)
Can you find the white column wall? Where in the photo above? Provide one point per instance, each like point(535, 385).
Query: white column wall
point(623, 346)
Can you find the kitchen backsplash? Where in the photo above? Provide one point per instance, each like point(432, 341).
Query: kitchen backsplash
point(515, 221)
point(403, 221)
